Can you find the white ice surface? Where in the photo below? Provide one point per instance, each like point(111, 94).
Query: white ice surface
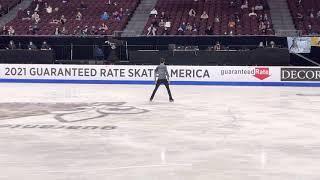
point(208, 133)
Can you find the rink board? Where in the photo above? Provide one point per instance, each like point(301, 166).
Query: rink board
point(179, 75)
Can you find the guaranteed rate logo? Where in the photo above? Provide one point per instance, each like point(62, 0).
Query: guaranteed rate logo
point(300, 74)
point(262, 73)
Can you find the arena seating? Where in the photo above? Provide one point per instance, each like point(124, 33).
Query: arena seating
point(7, 4)
point(90, 16)
point(301, 13)
point(177, 11)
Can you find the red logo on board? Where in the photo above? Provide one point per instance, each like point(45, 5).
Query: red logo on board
point(262, 73)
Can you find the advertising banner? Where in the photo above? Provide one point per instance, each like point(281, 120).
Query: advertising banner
point(315, 41)
point(180, 75)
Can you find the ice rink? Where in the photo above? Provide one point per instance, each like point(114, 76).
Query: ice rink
point(112, 132)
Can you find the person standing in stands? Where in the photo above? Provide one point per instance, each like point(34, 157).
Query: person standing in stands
point(161, 72)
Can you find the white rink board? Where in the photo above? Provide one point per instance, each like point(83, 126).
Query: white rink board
point(119, 74)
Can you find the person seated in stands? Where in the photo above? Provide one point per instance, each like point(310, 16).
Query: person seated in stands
point(79, 16)
point(28, 16)
point(217, 46)
point(154, 12)
point(49, 9)
point(63, 20)
point(245, 5)
point(116, 16)
point(182, 28)
point(77, 31)
point(64, 31)
point(93, 30)
point(318, 14)
point(161, 23)
point(216, 19)
point(127, 12)
point(85, 31)
point(204, 15)
point(299, 2)
point(194, 28)
point(232, 4)
point(311, 31)
point(35, 17)
point(262, 27)
point(163, 15)
point(165, 31)
point(209, 30)
point(253, 13)
point(121, 12)
point(4, 30)
point(152, 30)
point(258, 7)
point(311, 15)
point(83, 5)
point(11, 31)
point(56, 31)
point(45, 46)
point(268, 27)
point(189, 27)
point(31, 46)
point(104, 28)
point(11, 45)
point(192, 13)
point(167, 24)
point(231, 24)
point(104, 16)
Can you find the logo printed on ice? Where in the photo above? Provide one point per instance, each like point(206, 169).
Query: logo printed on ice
point(262, 73)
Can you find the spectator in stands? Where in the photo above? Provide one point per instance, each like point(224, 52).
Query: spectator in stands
point(209, 31)
point(104, 28)
point(166, 31)
point(85, 31)
point(77, 31)
point(262, 27)
point(11, 31)
point(163, 15)
point(192, 13)
point(57, 31)
point(245, 5)
point(35, 17)
point(28, 16)
point(265, 17)
point(31, 46)
point(49, 9)
point(161, 23)
point(64, 31)
point(4, 30)
point(45, 46)
point(258, 7)
point(11, 45)
point(217, 19)
point(154, 12)
point(63, 20)
point(79, 16)
point(204, 15)
point(311, 15)
point(311, 31)
point(231, 24)
point(104, 16)
point(194, 28)
point(181, 30)
point(300, 16)
point(318, 14)
point(117, 16)
point(152, 30)
point(189, 27)
point(252, 13)
point(167, 24)
point(93, 30)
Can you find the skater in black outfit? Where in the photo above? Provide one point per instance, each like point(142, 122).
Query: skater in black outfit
point(163, 78)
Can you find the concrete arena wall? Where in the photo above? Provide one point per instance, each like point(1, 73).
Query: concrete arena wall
point(180, 75)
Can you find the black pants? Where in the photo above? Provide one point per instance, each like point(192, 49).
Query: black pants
point(159, 82)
